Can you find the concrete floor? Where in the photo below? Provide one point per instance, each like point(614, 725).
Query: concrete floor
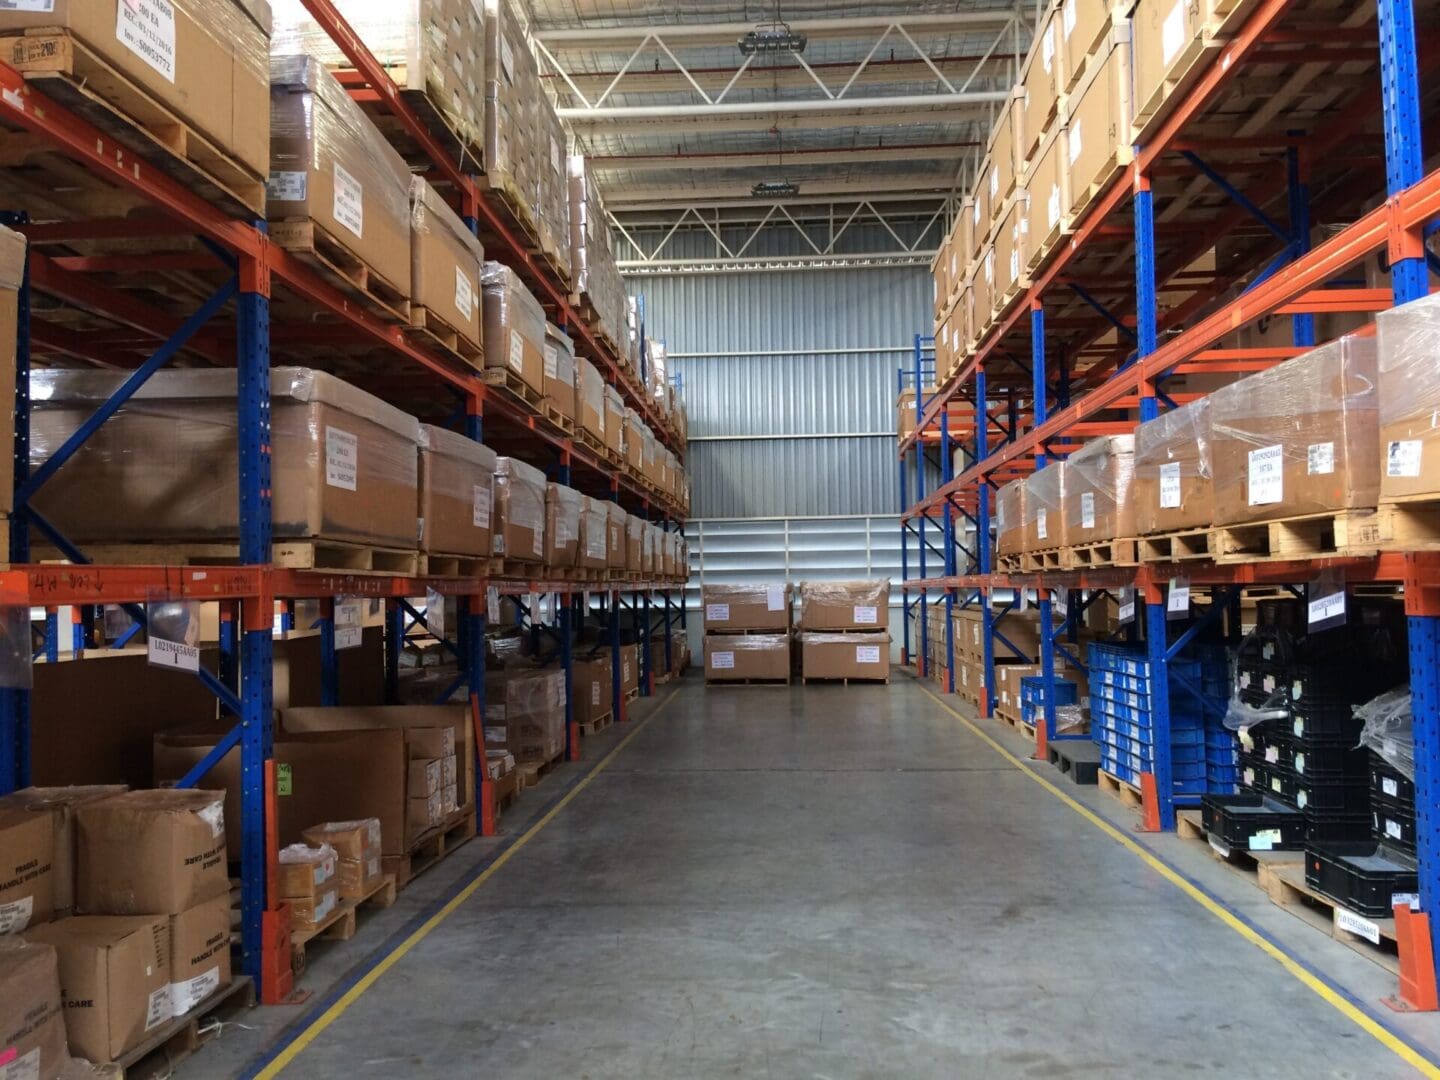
point(831, 882)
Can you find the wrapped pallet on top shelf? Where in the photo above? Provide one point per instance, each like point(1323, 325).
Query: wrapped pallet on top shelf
point(559, 364)
point(213, 82)
point(519, 528)
point(1408, 338)
point(432, 49)
point(1097, 125)
point(445, 262)
point(343, 463)
point(1301, 438)
point(339, 194)
point(1098, 502)
point(457, 487)
point(1174, 486)
point(514, 334)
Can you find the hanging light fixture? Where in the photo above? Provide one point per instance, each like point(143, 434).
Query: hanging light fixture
point(772, 37)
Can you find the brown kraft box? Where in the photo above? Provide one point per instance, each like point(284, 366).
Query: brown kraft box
point(514, 327)
point(614, 418)
point(199, 953)
point(59, 803)
point(844, 656)
point(1010, 532)
point(151, 852)
point(1098, 498)
point(845, 605)
point(590, 399)
point(27, 877)
point(445, 261)
point(32, 1023)
point(114, 979)
point(456, 481)
point(1044, 503)
point(745, 607)
point(559, 361)
point(736, 657)
point(1409, 400)
point(1173, 484)
point(563, 506)
point(591, 689)
point(518, 531)
point(629, 668)
point(616, 546)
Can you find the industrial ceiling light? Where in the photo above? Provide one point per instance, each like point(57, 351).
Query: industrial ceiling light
point(774, 188)
point(772, 38)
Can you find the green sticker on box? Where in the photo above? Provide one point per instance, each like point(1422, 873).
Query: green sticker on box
point(283, 785)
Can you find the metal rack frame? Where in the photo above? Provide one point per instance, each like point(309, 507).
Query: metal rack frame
point(248, 591)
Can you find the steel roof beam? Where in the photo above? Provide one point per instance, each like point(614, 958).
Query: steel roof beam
point(598, 38)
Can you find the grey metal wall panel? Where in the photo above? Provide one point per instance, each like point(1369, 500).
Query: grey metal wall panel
point(779, 478)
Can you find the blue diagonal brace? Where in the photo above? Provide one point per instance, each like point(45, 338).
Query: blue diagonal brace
point(420, 620)
point(217, 754)
point(1237, 196)
point(1210, 618)
point(1108, 315)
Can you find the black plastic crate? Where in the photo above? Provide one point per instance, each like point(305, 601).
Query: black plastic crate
point(1392, 823)
point(1325, 723)
point(1361, 875)
point(1330, 796)
point(1253, 822)
point(1388, 782)
point(1324, 827)
point(1319, 762)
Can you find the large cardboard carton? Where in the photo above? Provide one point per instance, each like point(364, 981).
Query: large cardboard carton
point(27, 853)
point(590, 399)
point(518, 532)
point(1047, 185)
point(199, 953)
point(60, 803)
point(591, 689)
point(114, 979)
point(737, 657)
point(343, 462)
point(1044, 502)
point(1041, 81)
point(525, 713)
point(845, 656)
point(204, 60)
point(1098, 502)
point(1163, 32)
point(746, 607)
point(560, 394)
point(309, 882)
point(1409, 399)
point(445, 261)
point(632, 440)
point(456, 480)
point(1097, 124)
point(32, 1023)
point(592, 552)
point(1084, 26)
point(845, 605)
point(629, 669)
point(563, 507)
point(614, 418)
point(1010, 518)
point(616, 546)
point(150, 852)
point(1174, 475)
point(1300, 438)
point(514, 327)
point(331, 170)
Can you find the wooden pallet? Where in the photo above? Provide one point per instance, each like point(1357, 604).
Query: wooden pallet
point(808, 680)
point(499, 190)
point(457, 566)
point(1195, 57)
point(1120, 552)
point(1078, 759)
point(1128, 794)
point(459, 146)
point(1308, 536)
point(517, 570)
point(506, 791)
point(631, 694)
point(429, 848)
point(428, 326)
point(1037, 562)
point(785, 681)
point(1374, 939)
point(505, 378)
point(1402, 525)
point(1009, 564)
point(337, 555)
point(531, 773)
point(340, 924)
point(315, 247)
point(1084, 197)
point(1182, 546)
point(1009, 716)
point(597, 725)
point(565, 423)
point(177, 1039)
point(63, 68)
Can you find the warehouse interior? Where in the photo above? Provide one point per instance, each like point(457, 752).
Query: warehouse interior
point(559, 538)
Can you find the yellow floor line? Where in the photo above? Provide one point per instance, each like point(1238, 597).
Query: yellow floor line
point(334, 1012)
point(1388, 1039)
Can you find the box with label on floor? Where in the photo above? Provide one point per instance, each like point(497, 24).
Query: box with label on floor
point(743, 657)
point(827, 656)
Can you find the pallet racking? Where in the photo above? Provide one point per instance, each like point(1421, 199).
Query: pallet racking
point(1285, 97)
point(233, 327)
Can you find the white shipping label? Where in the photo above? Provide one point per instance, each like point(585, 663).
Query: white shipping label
point(27, 5)
point(1327, 607)
point(1170, 485)
point(1067, 17)
point(1178, 599)
point(1052, 207)
point(22, 1068)
point(1127, 611)
point(725, 660)
point(15, 916)
point(717, 612)
point(481, 510)
point(186, 995)
point(1357, 924)
point(1014, 264)
point(594, 693)
point(172, 654)
point(1047, 49)
point(517, 351)
point(775, 598)
point(1264, 840)
point(1172, 32)
point(158, 1009)
point(1392, 828)
point(866, 616)
point(867, 654)
point(464, 294)
point(286, 186)
point(147, 28)
point(1042, 528)
point(349, 208)
point(1403, 458)
point(348, 613)
point(1074, 142)
point(994, 182)
point(1267, 475)
point(1389, 786)
point(1320, 459)
point(1087, 509)
point(349, 637)
point(552, 361)
point(342, 458)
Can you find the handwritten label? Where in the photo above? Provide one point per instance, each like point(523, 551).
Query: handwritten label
point(1170, 485)
point(1267, 475)
point(147, 29)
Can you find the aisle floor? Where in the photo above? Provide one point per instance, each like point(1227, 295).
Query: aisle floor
point(829, 882)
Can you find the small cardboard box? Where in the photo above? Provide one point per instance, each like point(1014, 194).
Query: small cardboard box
point(350, 839)
point(305, 871)
point(114, 979)
point(32, 1024)
point(736, 657)
point(27, 876)
point(845, 656)
point(746, 607)
point(424, 812)
point(424, 744)
point(60, 804)
point(424, 777)
point(199, 953)
point(308, 912)
point(356, 877)
point(151, 852)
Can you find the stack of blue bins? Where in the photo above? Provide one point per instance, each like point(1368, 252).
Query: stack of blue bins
point(1032, 697)
point(1203, 753)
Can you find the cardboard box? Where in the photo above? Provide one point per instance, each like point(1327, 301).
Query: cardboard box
point(614, 418)
point(629, 669)
point(1163, 30)
point(632, 443)
point(591, 689)
point(423, 812)
point(12, 271)
point(356, 877)
point(332, 170)
point(1300, 438)
point(1044, 508)
point(519, 525)
point(445, 260)
point(114, 979)
point(562, 526)
point(514, 327)
point(1098, 500)
point(1041, 81)
point(352, 840)
point(1097, 124)
point(32, 1024)
point(150, 852)
point(845, 605)
point(309, 912)
point(736, 657)
point(343, 463)
point(590, 399)
point(209, 67)
point(424, 777)
point(27, 876)
point(592, 551)
point(616, 547)
point(1047, 184)
point(1084, 28)
point(199, 953)
point(845, 656)
point(456, 480)
point(306, 871)
point(59, 804)
point(1409, 397)
point(1173, 485)
point(448, 801)
point(559, 356)
point(424, 743)
point(525, 712)
point(746, 607)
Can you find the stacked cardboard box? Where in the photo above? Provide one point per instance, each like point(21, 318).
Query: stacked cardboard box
point(844, 630)
point(525, 713)
point(432, 780)
point(309, 882)
point(592, 688)
point(358, 849)
point(747, 632)
point(560, 397)
point(591, 259)
point(518, 532)
point(456, 479)
point(32, 1022)
point(445, 262)
point(514, 329)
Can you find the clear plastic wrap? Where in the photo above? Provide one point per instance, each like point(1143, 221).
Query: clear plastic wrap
point(1173, 486)
point(514, 326)
point(343, 462)
point(563, 506)
point(433, 46)
point(614, 417)
point(1044, 507)
point(634, 543)
point(457, 493)
point(330, 164)
point(845, 605)
point(1098, 490)
point(1010, 518)
point(592, 261)
point(736, 657)
point(525, 712)
point(594, 534)
point(1408, 338)
point(1390, 728)
point(1299, 438)
point(757, 642)
point(519, 529)
point(650, 537)
point(632, 440)
point(590, 397)
point(1071, 719)
point(659, 372)
point(616, 528)
point(559, 363)
point(445, 262)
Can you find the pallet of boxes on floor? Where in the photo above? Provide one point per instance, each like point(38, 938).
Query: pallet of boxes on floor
point(747, 633)
point(844, 633)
